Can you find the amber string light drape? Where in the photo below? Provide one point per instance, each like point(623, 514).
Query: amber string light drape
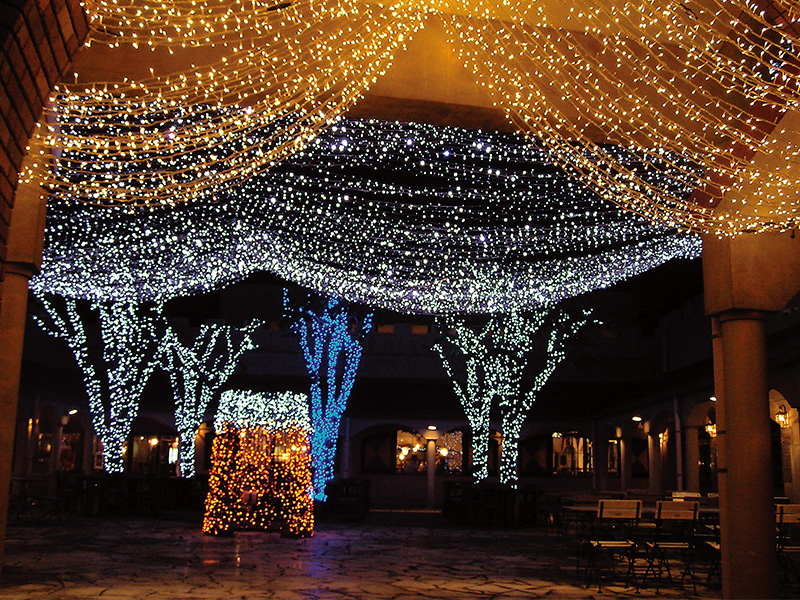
point(706, 89)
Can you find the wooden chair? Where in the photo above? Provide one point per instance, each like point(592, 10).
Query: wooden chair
point(613, 537)
point(676, 522)
point(787, 520)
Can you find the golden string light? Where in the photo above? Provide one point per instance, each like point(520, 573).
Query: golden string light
point(659, 83)
point(183, 135)
point(708, 91)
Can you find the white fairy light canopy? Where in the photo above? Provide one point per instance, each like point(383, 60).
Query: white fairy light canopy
point(408, 217)
point(714, 81)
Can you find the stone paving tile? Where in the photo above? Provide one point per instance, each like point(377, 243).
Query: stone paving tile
point(164, 559)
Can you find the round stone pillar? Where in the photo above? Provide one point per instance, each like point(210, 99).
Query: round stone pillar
point(24, 255)
point(747, 511)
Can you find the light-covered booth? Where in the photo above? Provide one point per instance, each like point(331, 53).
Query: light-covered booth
point(260, 465)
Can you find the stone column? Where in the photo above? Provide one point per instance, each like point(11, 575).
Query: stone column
point(691, 462)
point(23, 259)
point(747, 523)
point(431, 457)
point(656, 483)
point(625, 463)
point(680, 469)
point(599, 459)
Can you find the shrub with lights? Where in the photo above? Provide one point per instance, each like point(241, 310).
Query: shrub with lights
point(130, 335)
point(197, 370)
point(260, 474)
point(331, 337)
point(486, 362)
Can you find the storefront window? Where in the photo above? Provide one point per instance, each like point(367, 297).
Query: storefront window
point(572, 454)
point(411, 452)
point(412, 455)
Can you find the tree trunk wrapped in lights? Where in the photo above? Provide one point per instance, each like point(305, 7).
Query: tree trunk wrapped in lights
point(130, 335)
point(196, 372)
point(494, 356)
point(332, 340)
point(513, 337)
point(462, 351)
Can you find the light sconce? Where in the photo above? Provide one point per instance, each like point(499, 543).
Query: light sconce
point(711, 429)
point(782, 416)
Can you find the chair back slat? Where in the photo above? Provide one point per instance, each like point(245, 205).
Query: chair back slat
point(619, 509)
point(788, 513)
point(676, 510)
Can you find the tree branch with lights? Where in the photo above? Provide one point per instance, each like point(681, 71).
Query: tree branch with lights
point(488, 361)
point(463, 355)
point(130, 335)
point(196, 371)
point(331, 337)
point(513, 338)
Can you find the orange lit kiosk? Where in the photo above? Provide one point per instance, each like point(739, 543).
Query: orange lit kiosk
point(260, 475)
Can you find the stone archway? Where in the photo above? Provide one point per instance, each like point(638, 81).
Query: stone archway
point(39, 42)
point(786, 417)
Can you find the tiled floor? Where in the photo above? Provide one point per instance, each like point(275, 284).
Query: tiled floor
point(398, 556)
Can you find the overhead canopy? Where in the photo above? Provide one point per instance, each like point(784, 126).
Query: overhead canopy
point(408, 217)
point(709, 82)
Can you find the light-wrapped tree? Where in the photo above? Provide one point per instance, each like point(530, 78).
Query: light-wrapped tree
point(130, 337)
point(486, 363)
point(197, 370)
point(331, 337)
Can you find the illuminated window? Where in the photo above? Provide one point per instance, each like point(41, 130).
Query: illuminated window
point(572, 454)
point(411, 452)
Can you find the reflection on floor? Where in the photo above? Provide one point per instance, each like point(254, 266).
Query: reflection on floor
point(389, 555)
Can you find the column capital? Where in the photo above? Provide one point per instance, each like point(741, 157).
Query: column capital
point(741, 315)
point(21, 269)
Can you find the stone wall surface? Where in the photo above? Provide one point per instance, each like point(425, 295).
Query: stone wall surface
point(38, 39)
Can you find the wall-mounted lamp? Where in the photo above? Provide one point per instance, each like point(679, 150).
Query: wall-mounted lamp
point(636, 418)
point(782, 416)
point(711, 429)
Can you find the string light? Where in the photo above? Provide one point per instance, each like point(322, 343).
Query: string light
point(707, 83)
point(196, 372)
point(331, 338)
point(485, 362)
point(290, 71)
point(260, 474)
point(130, 336)
point(708, 89)
point(413, 218)
point(276, 410)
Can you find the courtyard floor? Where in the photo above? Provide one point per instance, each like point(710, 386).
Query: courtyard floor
point(391, 555)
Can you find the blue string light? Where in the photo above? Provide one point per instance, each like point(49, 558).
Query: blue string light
point(332, 341)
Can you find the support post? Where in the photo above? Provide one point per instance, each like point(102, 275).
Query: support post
point(655, 483)
point(747, 523)
point(679, 466)
point(431, 458)
point(25, 239)
point(625, 463)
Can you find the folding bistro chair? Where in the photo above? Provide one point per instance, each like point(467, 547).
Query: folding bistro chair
point(613, 538)
point(674, 535)
point(787, 518)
